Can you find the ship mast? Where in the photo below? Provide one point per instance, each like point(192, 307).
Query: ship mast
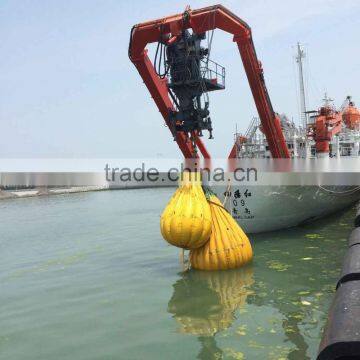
point(301, 55)
point(327, 100)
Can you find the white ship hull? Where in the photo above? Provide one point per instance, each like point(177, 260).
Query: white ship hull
point(267, 208)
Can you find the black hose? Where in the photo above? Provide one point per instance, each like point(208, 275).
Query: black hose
point(162, 58)
point(130, 42)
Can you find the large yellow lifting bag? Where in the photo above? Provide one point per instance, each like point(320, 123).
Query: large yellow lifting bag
point(186, 220)
point(228, 247)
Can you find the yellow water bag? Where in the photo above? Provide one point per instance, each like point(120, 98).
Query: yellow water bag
point(228, 247)
point(186, 220)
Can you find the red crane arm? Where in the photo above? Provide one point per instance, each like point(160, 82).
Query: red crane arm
point(200, 21)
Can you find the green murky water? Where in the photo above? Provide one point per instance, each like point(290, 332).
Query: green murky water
point(88, 276)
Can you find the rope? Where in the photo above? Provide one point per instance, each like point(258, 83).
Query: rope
point(226, 194)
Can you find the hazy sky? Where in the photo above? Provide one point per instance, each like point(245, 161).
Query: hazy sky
point(68, 88)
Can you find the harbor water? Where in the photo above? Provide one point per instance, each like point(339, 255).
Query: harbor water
point(88, 276)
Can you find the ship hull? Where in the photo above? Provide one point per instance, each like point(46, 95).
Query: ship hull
point(268, 208)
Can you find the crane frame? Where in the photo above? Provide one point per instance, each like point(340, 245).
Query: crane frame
point(200, 21)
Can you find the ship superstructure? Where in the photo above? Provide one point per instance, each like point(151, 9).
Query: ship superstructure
point(326, 132)
point(329, 133)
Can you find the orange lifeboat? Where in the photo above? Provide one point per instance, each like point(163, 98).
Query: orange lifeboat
point(351, 116)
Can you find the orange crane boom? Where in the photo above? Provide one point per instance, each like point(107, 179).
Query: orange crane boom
point(214, 17)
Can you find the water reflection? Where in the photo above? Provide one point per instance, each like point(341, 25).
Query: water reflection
point(204, 303)
point(209, 349)
point(276, 307)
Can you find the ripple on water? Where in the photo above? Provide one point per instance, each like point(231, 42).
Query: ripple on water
point(88, 276)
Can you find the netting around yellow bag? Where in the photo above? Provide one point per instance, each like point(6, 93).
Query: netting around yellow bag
point(228, 247)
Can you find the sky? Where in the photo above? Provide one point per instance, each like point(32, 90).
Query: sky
point(68, 89)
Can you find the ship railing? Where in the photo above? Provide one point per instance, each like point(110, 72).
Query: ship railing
point(208, 70)
point(251, 130)
point(213, 71)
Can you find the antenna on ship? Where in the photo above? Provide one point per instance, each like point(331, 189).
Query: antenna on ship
point(299, 57)
point(327, 100)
